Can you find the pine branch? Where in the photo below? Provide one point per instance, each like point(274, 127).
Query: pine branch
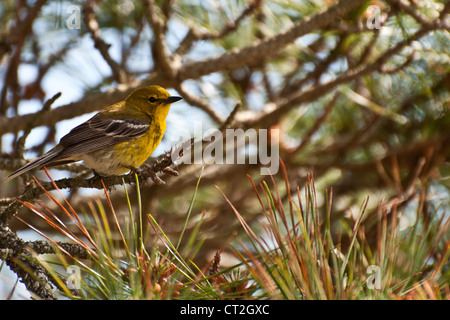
point(21, 261)
point(95, 182)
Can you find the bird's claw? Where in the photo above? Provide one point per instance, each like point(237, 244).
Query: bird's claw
point(170, 171)
point(149, 170)
point(155, 178)
point(98, 177)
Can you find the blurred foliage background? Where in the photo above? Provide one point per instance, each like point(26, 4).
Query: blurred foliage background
point(358, 89)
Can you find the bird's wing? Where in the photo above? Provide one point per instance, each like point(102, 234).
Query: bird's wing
point(98, 133)
point(92, 135)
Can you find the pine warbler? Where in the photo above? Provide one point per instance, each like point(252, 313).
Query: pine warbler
point(117, 139)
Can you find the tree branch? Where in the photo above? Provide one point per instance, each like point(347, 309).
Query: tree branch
point(21, 261)
point(199, 102)
point(195, 35)
point(44, 247)
point(261, 49)
point(162, 59)
point(93, 183)
point(90, 20)
point(21, 141)
point(286, 104)
point(88, 104)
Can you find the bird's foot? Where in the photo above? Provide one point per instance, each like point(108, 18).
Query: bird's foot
point(170, 171)
point(149, 170)
point(98, 177)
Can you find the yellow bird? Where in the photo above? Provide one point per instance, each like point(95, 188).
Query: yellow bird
point(117, 139)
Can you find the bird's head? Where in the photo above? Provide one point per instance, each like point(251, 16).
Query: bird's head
point(152, 99)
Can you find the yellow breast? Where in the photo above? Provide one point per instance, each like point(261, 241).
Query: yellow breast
point(137, 150)
point(118, 159)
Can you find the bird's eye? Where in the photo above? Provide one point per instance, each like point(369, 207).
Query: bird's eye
point(152, 99)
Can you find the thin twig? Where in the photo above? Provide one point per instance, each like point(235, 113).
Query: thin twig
point(287, 103)
point(21, 261)
point(319, 121)
point(93, 183)
point(231, 117)
point(162, 58)
point(199, 102)
point(194, 35)
point(91, 23)
point(21, 141)
point(264, 48)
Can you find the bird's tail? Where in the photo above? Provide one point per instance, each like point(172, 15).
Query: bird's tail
point(38, 162)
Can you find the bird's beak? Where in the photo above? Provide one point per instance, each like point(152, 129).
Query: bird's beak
point(170, 100)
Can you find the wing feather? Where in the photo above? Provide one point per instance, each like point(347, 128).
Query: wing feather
point(98, 133)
